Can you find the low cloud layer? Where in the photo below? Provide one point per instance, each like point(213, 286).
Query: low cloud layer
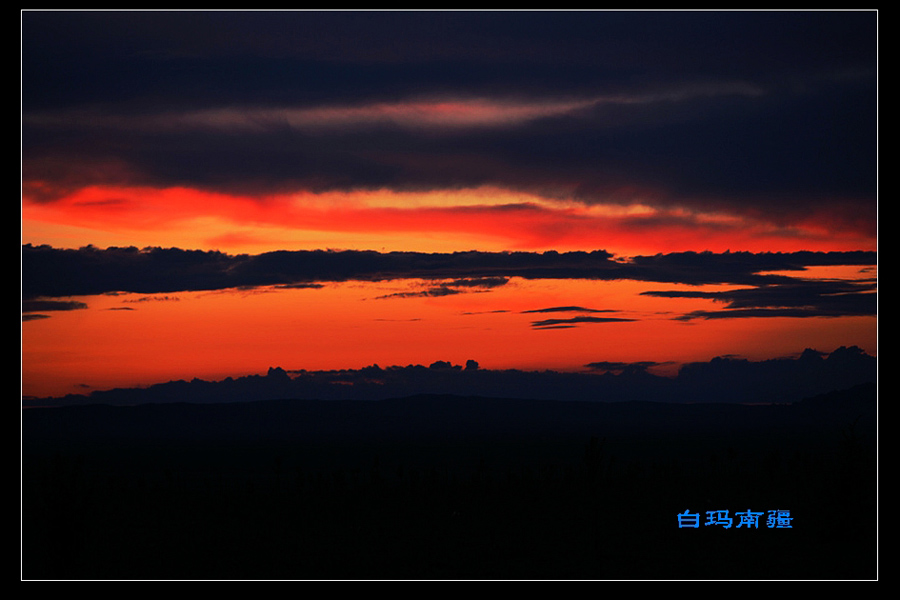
point(50, 273)
point(53, 272)
point(718, 380)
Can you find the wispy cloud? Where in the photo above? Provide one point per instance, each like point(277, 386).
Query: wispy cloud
point(572, 321)
point(554, 309)
point(51, 305)
point(450, 288)
point(797, 298)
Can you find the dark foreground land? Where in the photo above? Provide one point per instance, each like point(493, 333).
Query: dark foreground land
point(449, 488)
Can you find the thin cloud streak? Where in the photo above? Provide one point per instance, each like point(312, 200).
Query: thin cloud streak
point(550, 323)
point(439, 113)
point(554, 309)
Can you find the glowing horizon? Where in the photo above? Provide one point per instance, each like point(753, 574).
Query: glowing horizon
point(487, 219)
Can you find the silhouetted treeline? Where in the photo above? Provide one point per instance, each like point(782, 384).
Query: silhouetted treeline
point(448, 488)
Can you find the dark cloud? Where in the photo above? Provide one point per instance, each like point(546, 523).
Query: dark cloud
point(232, 57)
point(800, 298)
point(153, 299)
point(34, 316)
point(739, 268)
point(300, 286)
point(54, 273)
point(572, 321)
point(398, 320)
point(30, 306)
point(772, 164)
point(766, 114)
point(621, 367)
point(554, 309)
point(457, 286)
point(33, 308)
point(479, 282)
point(429, 293)
point(766, 312)
point(62, 272)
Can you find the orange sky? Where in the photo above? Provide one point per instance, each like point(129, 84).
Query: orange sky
point(128, 339)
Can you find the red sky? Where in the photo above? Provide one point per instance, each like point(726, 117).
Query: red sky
point(129, 339)
point(468, 132)
point(488, 219)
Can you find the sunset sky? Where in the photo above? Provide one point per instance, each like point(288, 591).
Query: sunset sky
point(210, 194)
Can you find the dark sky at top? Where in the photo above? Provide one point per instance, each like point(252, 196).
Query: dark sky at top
point(754, 113)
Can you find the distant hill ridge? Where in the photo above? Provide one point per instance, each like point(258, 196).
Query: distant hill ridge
point(432, 417)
